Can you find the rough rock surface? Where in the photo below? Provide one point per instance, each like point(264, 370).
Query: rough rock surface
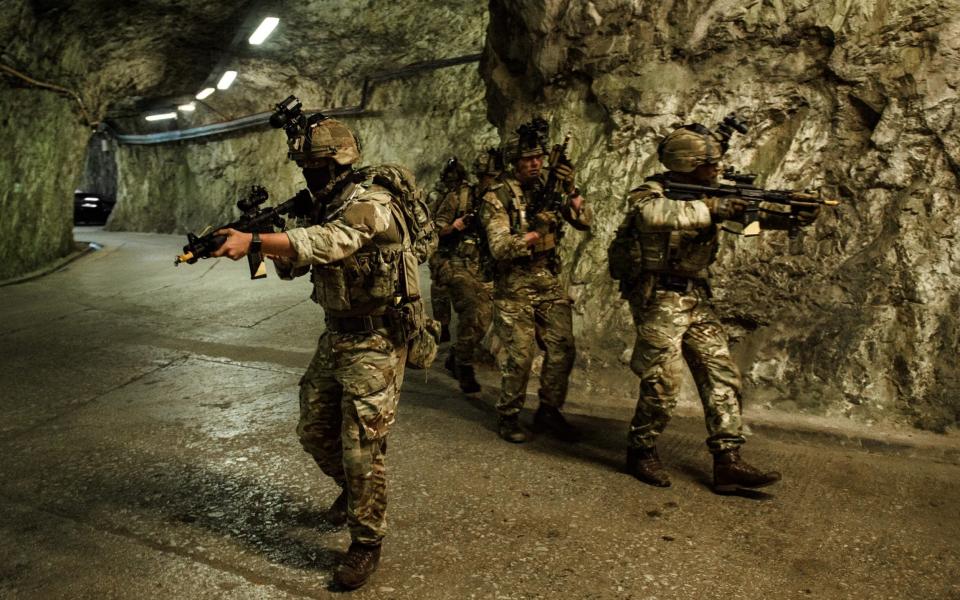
point(126, 59)
point(417, 120)
point(42, 159)
point(857, 98)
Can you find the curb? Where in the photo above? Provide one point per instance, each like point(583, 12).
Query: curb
point(83, 249)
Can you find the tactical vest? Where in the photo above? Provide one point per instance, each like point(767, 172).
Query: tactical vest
point(682, 253)
point(379, 275)
point(515, 200)
point(464, 245)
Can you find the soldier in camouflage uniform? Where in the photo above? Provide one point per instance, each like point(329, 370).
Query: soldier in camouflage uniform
point(452, 178)
point(531, 306)
point(354, 247)
point(459, 252)
point(673, 242)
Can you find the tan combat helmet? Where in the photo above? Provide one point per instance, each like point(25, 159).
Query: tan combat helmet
point(325, 138)
point(489, 162)
point(687, 148)
point(530, 140)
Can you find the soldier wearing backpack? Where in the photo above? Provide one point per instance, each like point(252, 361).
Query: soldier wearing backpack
point(362, 244)
point(531, 306)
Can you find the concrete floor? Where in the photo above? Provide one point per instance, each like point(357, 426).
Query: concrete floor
point(147, 451)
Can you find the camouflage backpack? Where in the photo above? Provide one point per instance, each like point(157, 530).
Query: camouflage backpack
point(403, 185)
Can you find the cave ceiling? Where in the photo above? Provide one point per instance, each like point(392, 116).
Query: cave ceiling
point(127, 58)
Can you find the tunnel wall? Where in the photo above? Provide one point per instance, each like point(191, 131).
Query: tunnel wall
point(418, 122)
point(41, 166)
point(856, 98)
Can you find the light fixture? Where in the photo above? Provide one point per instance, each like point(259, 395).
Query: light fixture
point(203, 94)
point(161, 116)
point(226, 80)
point(264, 30)
point(188, 107)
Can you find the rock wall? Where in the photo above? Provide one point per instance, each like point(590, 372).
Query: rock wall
point(39, 169)
point(856, 98)
point(187, 185)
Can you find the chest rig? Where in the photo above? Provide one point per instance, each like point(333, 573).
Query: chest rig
point(549, 225)
point(374, 277)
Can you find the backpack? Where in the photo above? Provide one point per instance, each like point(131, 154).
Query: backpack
point(420, 332)
point(402, 184)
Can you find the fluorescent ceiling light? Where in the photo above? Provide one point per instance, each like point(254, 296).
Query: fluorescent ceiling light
point(203, 94)
point(264, 30)
point(189, 107)
point(226, 80)
point(162, 116)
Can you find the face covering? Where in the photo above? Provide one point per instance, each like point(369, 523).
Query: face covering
point(317, 178)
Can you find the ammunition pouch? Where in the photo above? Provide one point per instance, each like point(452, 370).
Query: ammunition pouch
point(410, 325)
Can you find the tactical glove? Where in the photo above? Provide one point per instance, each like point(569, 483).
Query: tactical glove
point(725, 208)
point(566, 173)
point(543, 222)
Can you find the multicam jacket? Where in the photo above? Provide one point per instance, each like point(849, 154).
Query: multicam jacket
point(356, 255)
point(503, 217)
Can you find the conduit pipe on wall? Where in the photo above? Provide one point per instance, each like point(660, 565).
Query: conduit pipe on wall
point(54, 87)
point(260, 119)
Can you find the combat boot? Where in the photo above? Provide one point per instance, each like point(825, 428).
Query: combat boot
point(358, 565)
point(731, 472)
point(549, 418)
point(510, 430)
point(337, 513)
point(468, 379)
point(645, 465)
point(451, 363)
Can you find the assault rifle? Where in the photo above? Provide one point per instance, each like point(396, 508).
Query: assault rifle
point(745, 189)
point(551, 196)
point(253, 218)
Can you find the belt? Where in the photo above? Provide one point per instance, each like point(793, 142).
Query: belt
point(357, 324)
point(679, 283)
point(534, 258)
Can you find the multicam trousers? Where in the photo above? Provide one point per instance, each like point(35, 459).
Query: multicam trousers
point(348, 401)
point(474, 305)
point(530, 310)
point(440, 298)
point(674, 327)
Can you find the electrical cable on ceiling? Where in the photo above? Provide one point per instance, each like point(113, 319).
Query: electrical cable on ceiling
point(54, 87)
point(260, 119)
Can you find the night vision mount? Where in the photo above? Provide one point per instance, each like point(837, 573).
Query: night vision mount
point(534, 134)
point(725, 129)
point(288, 115)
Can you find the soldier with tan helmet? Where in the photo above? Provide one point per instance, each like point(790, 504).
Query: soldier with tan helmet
point(453, 178)
point(357, 245)
point(458, 225)
point(531, 306)
point(661, 254)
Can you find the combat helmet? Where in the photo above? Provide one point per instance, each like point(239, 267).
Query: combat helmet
point(688, 147)
point(530, 140)
point(489, 162)
point(453, 172)
point(325, 137)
